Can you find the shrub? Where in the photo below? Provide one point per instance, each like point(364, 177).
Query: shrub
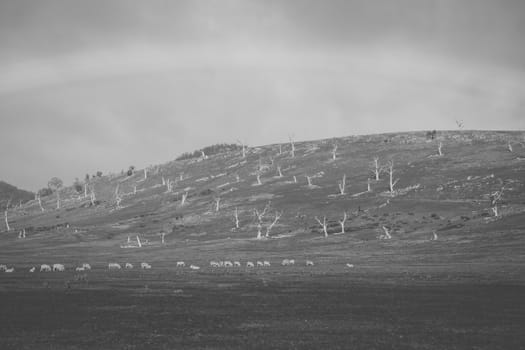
point(210, 150)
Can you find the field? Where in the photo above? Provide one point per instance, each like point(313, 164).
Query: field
point(452, 275)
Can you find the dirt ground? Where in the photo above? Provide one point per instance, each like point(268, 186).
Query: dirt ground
point(261, 310)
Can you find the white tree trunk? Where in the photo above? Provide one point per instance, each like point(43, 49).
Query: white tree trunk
point(440, 146)
point(135, 189)
point(509, 147)
point(92, 197)
point(376, 170)
point(139, 242)
point(217, 203)
point(184, 196)
point(334, 152)
point(280, 149)
point(269, 228)
point(58, 200)
point(309, 180)
point(7, 221)
point(391, 176)
point(342, 185)
point(163, 181)
point(145, 173)
point(279, 172)
point(259, 231)
point(181, 176)
point(236, 216)
point(342, 223)
point(368, 185)
point(292, 144)
point(85, 190)
point(295, 179)
point(323, 225)
point(387, 233)
point(259, 179)
point(162, 237)
point(40, 203)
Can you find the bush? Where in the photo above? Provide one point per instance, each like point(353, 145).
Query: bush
point(99, 173)
point(45, 192)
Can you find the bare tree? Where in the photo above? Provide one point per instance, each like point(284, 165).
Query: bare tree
point(495, 198)
point(509, 147)
point(217, 203)
point(163, 181)
point(162, 234)
point(145, 173)
point(139, 243)
point(39, 202)
point(259, 178)
point(342, 185)
point(184, 197)
point(92, 195)
point(236, 217)
point(118, 198)
point(203, 155)
point(334, 152)
point(280, 149)
point(260, 216)
point(392, 182)
point(5, 213)
point(368, 185)
point(440, 146)
point(376, 170)
point(309, 180)
point(342, 222)
point(459, 123)
point(323, 225)
point(279, 172)
point(295, 179)
point(243, 149)
point(386, 235)
point(275, 219)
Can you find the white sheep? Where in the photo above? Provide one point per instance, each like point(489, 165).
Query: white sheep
point(180, 264)
point(350, 265)
point(214, 264)
point(128, 266)
point(58, 267)
point(45, 268)
point(260, 264)
point(10, 270)
point(309, 263)
point(194, 267)
point(114, 266)
point(3, 267)
point(228, 264)
point(291, 261)
point(80, 268)
point(266, 263)
point(250, 264)
point(145, 266)
point(86, 266)
point(32, 269)
point(237, 264)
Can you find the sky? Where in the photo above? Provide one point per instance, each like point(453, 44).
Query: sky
point(100, 85)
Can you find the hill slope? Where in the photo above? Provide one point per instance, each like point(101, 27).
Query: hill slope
point(11, 193)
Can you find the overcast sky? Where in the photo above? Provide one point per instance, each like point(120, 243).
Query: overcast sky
point(101, 85)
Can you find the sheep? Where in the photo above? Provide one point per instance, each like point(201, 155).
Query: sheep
point(309, 263)
point(86, 266)
point(128, 266)
point(228, 264)
point(285, 262)
point(80, 268)
point(291, 261)
point(10, 270)
point(266, 263)
point(214, 264)
point(180, 264)
point(3, 267)
point(194, 267)
point(58, 267)
point(250, 264)
point(260, 264)
point(221, 263)
point(145, 266)
point(114, 266)
point(32, 269)
point(350, 265)
point(237, 264)
point(45, 268)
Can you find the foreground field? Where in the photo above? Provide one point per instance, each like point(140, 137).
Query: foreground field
point(262, 310)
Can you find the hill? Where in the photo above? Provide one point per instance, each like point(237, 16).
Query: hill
point(11, 193)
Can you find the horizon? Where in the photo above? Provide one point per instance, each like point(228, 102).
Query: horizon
point(103, 85)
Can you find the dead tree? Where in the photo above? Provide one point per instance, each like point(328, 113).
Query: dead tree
point(440, 146)
point(376, 170)
point(184, 197)
point(342, 222)
point(236, 217)
point(145, 173)
point(163, 181)
point(5, 213)
point(135, 189)
point(217, 203)
point(392, 182)
point(92, 195)
point(162, 237)
point(309, 180)
point(323, 225)
point(495, 198)
point(386, 235)
point(334, 152)
point(203, 155)
point(509, 147)
point(260, 216)
point(295, 179)
point(243, 148)
point(342, 185)
point(259, 178)
point(368, 185)
point(280, 149)
point(118, 198)
point(279, 172)
point(181, 176)
point(139, 243)
point(275, 219)
point(169, 186)
point(39, 202)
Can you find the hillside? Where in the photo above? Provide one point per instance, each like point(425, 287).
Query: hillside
point(448, 194)
point(12, 193)
point(435, 263)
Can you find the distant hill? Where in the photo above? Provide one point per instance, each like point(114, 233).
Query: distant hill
point(16, 195)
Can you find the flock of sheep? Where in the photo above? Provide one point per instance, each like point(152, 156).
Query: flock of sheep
point(146, 266)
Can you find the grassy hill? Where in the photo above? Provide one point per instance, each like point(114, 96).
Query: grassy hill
point(451, 275)
point(12, 193)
